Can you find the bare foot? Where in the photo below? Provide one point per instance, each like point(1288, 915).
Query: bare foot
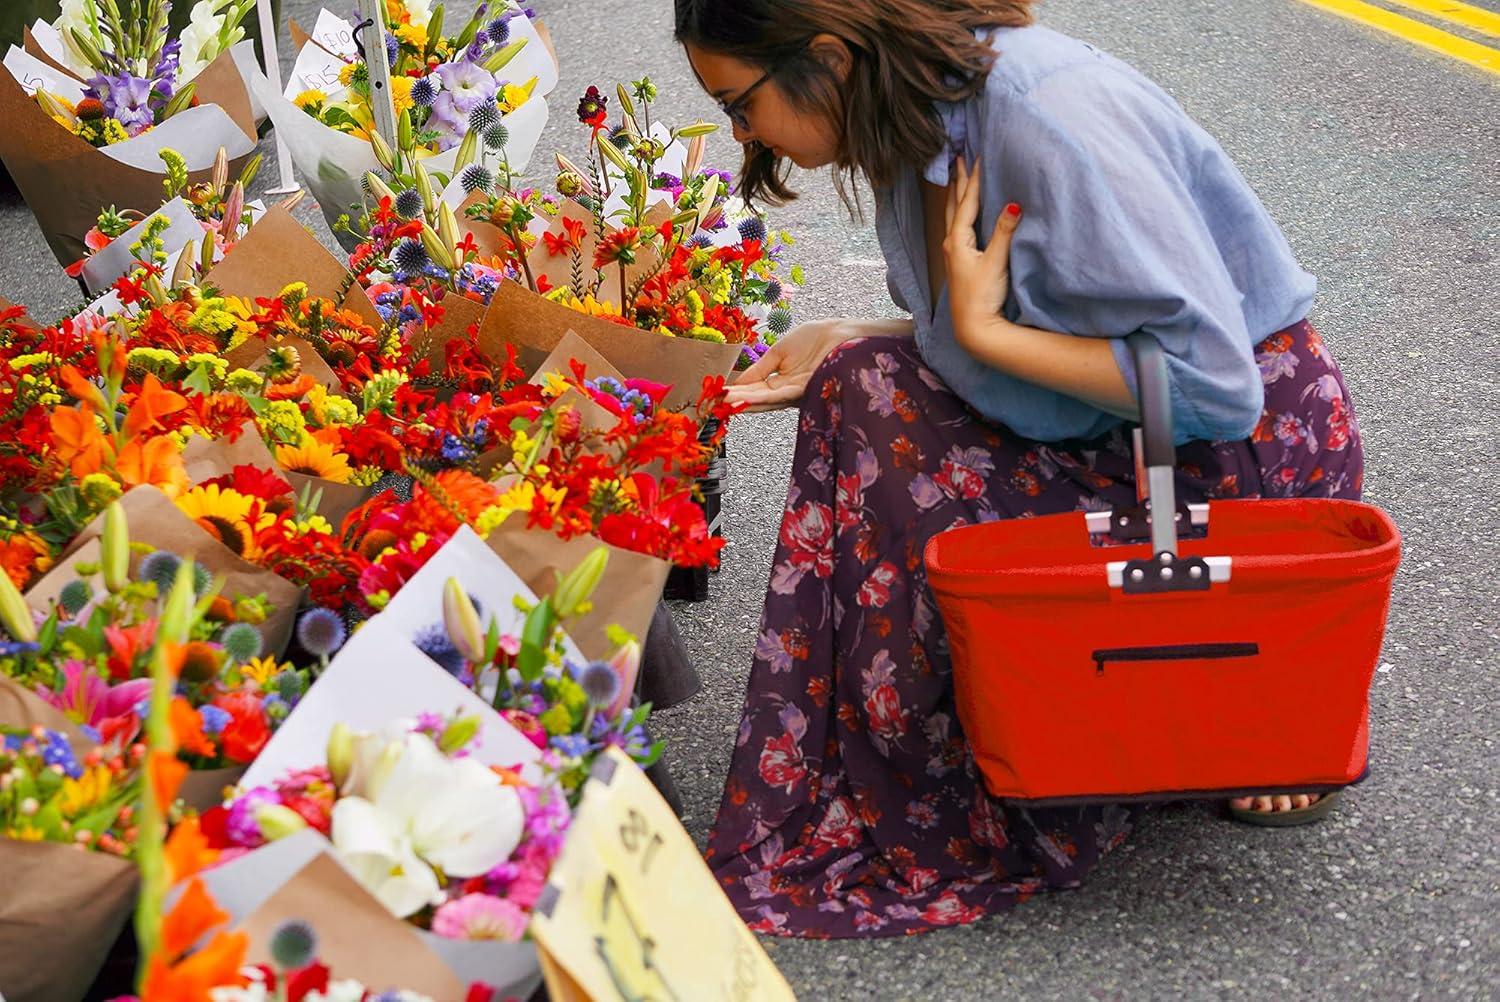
point(1276, 804)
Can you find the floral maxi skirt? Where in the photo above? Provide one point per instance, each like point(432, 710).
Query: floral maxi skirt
point(852, 806)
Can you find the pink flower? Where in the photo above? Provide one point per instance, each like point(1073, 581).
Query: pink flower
point(88, 699)
point(480, 916)
point(528, 725)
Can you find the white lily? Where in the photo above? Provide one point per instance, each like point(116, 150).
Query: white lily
point(424, 814)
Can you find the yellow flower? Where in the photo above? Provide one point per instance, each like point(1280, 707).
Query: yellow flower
point(414, 35)
point(401, 88)
point(261, 670)
point(315, 459)
point(315, 525)
point(695, 307)
point(346, 73)
point(78, 795)
point(512, 97)
point(313, 98)
point(553, 384)
point(222, 512)
point(706, 334)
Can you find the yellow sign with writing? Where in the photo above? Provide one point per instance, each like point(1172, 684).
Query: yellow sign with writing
point(631, 911)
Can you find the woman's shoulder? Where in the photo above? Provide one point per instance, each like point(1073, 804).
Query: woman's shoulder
point(1043, 80)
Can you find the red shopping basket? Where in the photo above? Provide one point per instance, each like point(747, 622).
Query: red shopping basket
point(1087, 668)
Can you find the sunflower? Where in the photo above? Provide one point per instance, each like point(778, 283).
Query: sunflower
point(222, 512)
point(315, 459)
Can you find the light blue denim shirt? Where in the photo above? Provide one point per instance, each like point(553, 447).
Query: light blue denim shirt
point(1133, 218)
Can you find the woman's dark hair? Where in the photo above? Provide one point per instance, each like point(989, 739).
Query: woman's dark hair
point(907, 54)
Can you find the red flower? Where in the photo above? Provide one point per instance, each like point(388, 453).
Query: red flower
point(592, 108)
point(949, 910)
point(807, 532)
point(781, 762)
point(248, 729)
point(619, 246)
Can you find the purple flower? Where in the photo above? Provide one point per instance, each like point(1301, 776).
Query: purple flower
point(466, 85)
point(125, 98)
point(241, 826)
point(214, 719)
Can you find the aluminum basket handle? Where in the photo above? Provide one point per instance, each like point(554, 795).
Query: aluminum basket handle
point(1165, 571)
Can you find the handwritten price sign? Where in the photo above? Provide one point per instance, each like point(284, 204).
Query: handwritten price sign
point(631, 911)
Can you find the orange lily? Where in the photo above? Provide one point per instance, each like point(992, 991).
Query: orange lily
point(157, 461)
point(187, 728)
point(78, 440)
point(187, 851)
point(167, 772)
point(151, 404)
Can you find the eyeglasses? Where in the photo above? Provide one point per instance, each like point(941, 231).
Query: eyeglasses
point(735, 110)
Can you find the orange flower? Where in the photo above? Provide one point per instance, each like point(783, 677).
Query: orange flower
point(187, 851)
point(22, 557)
point(81, 388)
point(77, 439)
point(167, 772)
point(157, 462)
point(187, 729)
point(151, 404)
point(193, 917)
point(293, 390)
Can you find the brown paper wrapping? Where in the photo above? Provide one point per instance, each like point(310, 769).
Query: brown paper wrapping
point(203, 789)
point(337, 500)
point(278, 251)
point(59, 915)
point(25, 318)
point(357, 937)
point(252, 354)
point(65, 181)
point(459, 315)
point(626, 596)
point(536, 326)
point(207, 458)
point(20, 707)
point(157, 522)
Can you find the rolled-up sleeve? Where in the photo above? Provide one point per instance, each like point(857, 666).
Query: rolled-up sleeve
point(1112, 241)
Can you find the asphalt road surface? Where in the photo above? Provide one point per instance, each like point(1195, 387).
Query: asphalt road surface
point(1379, 157)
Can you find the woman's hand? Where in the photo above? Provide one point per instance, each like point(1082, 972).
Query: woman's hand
point(779, 378)
point(978, 280)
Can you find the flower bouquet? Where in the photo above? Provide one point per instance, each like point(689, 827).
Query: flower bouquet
point(497, 62)
point(647, 239)
point(73, 145)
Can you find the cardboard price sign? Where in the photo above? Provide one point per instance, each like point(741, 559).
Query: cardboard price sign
point(631, 911)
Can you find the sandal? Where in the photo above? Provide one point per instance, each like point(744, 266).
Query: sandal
point(1287, 819)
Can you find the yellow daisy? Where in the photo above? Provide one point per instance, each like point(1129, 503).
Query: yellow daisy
point(315, 459)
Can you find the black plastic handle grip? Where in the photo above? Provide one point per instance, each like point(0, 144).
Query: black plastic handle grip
point(1155, 398)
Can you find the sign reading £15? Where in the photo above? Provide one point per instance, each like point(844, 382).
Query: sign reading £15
point(632, 912)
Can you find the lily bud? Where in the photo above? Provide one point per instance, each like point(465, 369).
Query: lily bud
point(436, 249)
point(378, 188)
point(234, 208)
point(576, 587)
point(293, 200)
point(340, 752)
point(277, 821)
point(447, 225)
point(424, 186)
point(247, 176)
point(613, 154)
point(206, 255)
point(15, 614)
point(497, 62)
point(697, 129)
point(462, 621)
point(182, 273)
point(382, 151)
point(177, 612)
point(626, 664)
point(181, 101)
point(468, 151)
point(403, 124)
point(625, 101)
point(220, 176)
point(694, 159)
point(457, 734)
point(114, 549)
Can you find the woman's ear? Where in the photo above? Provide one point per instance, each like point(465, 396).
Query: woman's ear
point(833, 52)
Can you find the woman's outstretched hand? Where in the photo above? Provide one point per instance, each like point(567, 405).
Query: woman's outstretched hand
point(977, 279)
point(779, 378)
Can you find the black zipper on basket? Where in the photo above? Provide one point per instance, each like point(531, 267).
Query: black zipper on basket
point(1174, 652)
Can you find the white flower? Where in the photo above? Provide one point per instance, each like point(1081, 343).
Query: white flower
point(420, 11)
point(73, 19)
point(200, 39)
point(423, 813)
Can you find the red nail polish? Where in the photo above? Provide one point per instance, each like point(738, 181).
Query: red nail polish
point(1012, 209)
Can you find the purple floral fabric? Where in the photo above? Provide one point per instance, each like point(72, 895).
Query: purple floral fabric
point(852, 806)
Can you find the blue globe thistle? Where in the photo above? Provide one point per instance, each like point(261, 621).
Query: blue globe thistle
point(203, 579)
point(700, 241)
point(241, 642)
point(424, 92)
point(321, 632)
point(410, 256)
point(160, 568)
point(436, 644)
point(779, 321)
point(498, 30)
point(774, 291)
point(484, 116)
point(294, 944)
point(74, 596)
point(753, 230)
point(476, 177)
point(496, 136)
point(409, 203)
point(599, 683)
point(288, 685)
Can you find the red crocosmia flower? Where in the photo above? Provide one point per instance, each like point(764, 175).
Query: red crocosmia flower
point(312, 978)
point(248, 729)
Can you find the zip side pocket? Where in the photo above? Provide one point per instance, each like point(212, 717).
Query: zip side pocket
point(1174, 652)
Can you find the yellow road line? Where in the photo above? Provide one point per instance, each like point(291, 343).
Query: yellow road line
point(1424, 35)
point(1467, 15)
